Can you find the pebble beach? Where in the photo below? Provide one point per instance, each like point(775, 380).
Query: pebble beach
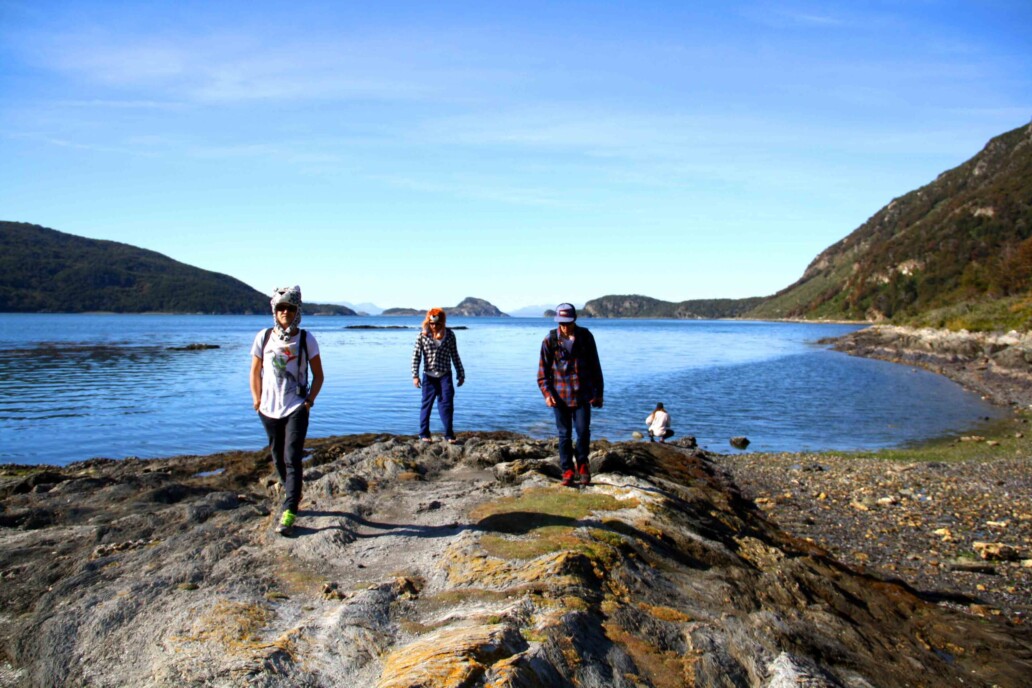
point(958, 531)
point(951, 518)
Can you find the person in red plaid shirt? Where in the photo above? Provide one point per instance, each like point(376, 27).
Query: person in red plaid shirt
point(570, 378)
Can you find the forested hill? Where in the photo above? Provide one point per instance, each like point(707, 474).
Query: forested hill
point(468, 307)
point(635, 306)
point(43, 270)
point(959, 245)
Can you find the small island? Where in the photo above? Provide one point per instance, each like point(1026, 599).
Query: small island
point(470, 307)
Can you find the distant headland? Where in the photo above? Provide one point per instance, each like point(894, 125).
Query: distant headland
point(470, 307)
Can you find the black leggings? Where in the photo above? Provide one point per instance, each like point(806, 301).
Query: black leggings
point(287, 443)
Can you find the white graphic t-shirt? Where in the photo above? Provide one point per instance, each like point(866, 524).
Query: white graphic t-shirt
point(280, 372)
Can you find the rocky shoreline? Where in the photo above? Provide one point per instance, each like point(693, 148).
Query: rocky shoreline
point(997, 366)
point(927, 521)
point(457, 565)
point(959, 530)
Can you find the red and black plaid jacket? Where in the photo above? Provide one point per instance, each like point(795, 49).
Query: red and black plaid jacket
point(573, 378)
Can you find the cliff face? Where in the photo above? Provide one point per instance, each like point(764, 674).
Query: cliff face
point(965, 237)
point(441, 565)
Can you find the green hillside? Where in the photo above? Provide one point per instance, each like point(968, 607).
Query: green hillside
point(43, 270)
point(635, 306)
point(956, 252)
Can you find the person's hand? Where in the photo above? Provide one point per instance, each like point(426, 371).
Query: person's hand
point(596, 403)
point(415, 383)
point(257, 403)
point(309, 403)
point(461, 380)
point(549, 401)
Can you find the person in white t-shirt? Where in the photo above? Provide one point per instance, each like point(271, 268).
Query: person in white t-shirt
point(281, 357)
point(659, 424)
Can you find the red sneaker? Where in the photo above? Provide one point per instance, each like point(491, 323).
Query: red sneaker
point(567, 479)
point(585, 474)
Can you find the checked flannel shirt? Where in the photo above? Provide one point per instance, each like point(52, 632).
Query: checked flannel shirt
point(438, 357)
point(573, 378)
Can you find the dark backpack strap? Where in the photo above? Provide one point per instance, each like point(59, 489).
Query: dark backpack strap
point(553, 346)
point(265, 343)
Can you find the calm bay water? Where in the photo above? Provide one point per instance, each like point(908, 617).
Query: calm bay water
point(83, 386)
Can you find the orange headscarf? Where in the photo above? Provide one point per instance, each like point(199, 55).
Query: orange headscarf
point(442, 318)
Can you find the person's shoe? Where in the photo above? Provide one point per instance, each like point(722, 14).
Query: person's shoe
point(428, 440)
point(585, 474)
point(567, 479)
point(286, 523)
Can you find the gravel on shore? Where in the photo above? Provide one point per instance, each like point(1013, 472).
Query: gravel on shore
point(957, 531)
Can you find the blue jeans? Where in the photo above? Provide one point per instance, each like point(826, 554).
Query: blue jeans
point(566, 421)
point(287, 443)
point(442, 390)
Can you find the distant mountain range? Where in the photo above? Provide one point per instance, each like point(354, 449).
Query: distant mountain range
point(954, 253)
point(43, 270)
point(363, 308)
point(532, 311)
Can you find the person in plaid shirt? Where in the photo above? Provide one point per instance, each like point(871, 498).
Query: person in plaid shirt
point(570, 378)
point(437, 348)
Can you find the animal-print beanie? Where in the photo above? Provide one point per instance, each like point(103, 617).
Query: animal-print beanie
point(291, 295)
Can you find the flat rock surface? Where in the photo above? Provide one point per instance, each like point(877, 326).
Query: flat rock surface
point(453, 565)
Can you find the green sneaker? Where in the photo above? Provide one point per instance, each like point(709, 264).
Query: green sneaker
point(286, 523)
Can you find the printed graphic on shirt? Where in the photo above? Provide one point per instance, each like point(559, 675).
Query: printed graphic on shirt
point(281, 358)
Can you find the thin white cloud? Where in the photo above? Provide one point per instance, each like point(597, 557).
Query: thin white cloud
point(49, 140)
point(233, 68)
point(477, 189)
point(781, 16)
point(812, 19)
point(123, 104)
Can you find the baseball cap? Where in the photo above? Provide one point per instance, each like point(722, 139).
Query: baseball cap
point(565, 313)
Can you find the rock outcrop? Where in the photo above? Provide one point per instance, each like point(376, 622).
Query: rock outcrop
point(402, 311)
point(474, 307)
point(469, 307)
point(450, 565)
point(997, 366)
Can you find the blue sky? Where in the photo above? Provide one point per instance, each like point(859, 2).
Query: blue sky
point(414, 153)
